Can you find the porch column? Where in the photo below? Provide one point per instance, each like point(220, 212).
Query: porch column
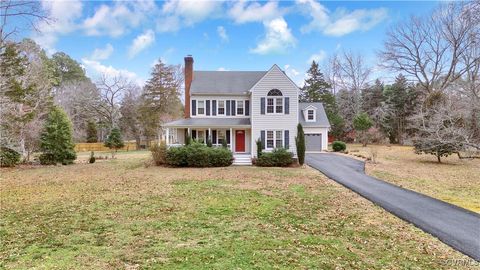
point(167, 140)
point(231, 139)
point(189, 133)
point(209, 135)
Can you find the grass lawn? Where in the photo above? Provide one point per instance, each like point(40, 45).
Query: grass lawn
point(117, 214)
point(455, 181)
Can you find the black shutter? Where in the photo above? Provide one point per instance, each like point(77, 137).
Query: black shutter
point(262, 105)
point(214, 136)
point(194, 134)
point(228, 107)
point(228, 136)
point(247, 107)
point(194, 107)
point(287, 139)
point(207, 104)
point(214, 107)
point(233, 107)
point(287, 105)
point(262, 138)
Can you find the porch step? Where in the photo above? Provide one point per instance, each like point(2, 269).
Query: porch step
point(242, 160)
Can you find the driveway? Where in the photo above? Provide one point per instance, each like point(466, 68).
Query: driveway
point(455, 226)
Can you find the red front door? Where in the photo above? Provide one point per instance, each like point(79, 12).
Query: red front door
point(239, 140)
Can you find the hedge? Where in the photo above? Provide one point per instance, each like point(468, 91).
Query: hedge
point(279, 157)
point(9, 157)
point(198, 155)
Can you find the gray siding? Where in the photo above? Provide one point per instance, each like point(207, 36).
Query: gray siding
point(275, 78)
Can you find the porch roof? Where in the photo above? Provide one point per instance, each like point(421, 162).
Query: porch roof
point(209, 122)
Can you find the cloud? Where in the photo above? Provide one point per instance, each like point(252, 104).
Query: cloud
point(317, 57)
point(96, 68)
point(278, 38)
point(342, 21)
point(243, 12)
point(141, 42)
point(183, 13)
point(102, 53)
point(117, 19)
point(297, 77)
point(64, 15)
point(222, 69)
point(222, 33)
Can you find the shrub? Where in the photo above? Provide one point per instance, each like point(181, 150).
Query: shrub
point(8, 157)
point(259, 147)
point(188, 140)
point(224, 143)
point(56, 140)
point(300, 143)
point(338, 146)
point(159, 153)
point(209, 143)
point(198, 155)
point(92, 158)
point(279, 157)
point(114, 141)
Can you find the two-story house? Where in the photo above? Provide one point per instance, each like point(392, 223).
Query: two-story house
point(241, 107)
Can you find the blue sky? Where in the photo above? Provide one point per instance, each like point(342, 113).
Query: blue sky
point(127, 37)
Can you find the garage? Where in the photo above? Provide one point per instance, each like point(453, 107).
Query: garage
point(313, 142)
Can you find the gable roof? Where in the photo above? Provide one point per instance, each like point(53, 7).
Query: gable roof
point(224, 82)
point(321, 116)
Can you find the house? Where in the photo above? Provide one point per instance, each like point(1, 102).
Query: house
point(242, 107)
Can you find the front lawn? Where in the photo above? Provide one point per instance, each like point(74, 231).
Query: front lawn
point(455, 181)
point(117, 214)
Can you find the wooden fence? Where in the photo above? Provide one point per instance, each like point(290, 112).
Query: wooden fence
point(129, 146)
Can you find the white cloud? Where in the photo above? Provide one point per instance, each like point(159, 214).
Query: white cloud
point(181, 13)
point(222, 33)
point(317, 57)
point(297, 77)
point(342, 21)
point(244, 12)
point(117, 19)
point(102, 53)
point(222, 69)
point(64, 15)
point(96, 68)
point(278, 38)
point(141, 42)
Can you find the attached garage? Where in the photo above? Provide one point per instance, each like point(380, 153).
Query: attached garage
point(313, 142)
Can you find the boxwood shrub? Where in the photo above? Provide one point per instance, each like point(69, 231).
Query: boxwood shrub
point(338, 146)
point(199, 155)
point(8, 157)
point(279, 157)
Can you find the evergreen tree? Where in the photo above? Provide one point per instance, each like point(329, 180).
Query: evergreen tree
point(300, 143)
point(315, 85)
point(362, 123)
point(92, 132)
point(56, 141)
point(114, 141)
point(372, 98)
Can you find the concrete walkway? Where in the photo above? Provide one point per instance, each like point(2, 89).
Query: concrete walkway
point(455, 226)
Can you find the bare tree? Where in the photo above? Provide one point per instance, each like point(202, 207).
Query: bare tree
point(27, 12)
point(430, 49)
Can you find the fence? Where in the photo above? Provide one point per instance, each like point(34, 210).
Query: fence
point(129, 146)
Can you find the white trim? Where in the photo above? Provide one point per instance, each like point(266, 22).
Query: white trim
point(224, 107)
point(236, 107)
point(274, 105)
point(274, 138)
point(314, 114)
point(204, 107)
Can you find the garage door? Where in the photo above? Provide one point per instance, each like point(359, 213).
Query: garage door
point(313, 142)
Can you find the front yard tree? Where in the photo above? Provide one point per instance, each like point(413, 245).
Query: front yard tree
point(114, 141)
point(361, 124)
point(315, 85)
point(300, 143)
point(56, 139)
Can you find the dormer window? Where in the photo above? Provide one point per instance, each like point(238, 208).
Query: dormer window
point(274, 102)
point(311, 115)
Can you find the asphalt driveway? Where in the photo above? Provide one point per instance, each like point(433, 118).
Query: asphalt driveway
point(455, 226)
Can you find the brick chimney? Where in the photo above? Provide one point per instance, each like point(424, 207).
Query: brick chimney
point(188, 83)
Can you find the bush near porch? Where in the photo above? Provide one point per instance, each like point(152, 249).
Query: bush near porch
point(199, 155)
point(279, 157)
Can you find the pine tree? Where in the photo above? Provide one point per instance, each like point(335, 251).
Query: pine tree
point(300, 143)
point(56, 141)
point(362, 123)
point(315, 85)
point(372, 98)
point(92, 132)
point(114, 141)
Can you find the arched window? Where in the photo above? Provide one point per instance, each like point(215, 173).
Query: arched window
point(274, 101)
point(274, 92)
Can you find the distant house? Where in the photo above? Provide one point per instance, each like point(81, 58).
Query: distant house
point(242, 107)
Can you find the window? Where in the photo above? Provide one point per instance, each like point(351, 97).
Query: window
point(275, 104)
point(311, 115)
point(270, 139)
point(274, 139)
point(201, 107)
point(221, 107)
point(240, 107)
point(201, 136)
point(220, 136)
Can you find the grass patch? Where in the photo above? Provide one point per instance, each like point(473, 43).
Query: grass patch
point(114, 214)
